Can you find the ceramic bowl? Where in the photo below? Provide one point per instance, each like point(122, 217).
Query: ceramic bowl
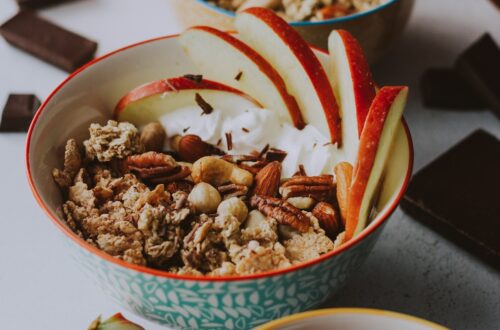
point(89, 95)
point(351, 319)
point(376, 29)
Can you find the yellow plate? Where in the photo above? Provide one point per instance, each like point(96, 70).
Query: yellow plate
point(350, 319)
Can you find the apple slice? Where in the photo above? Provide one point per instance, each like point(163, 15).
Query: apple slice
point(148, 102)
point(291, 56)
point(353, 85)
point(224, 58)
point(374, 146)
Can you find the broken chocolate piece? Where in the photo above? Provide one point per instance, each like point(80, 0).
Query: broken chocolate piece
point(18, 112)
point(274, 154)
point(197, 78)
point(48, 41)
point(457, 195)
point(36, 4)
point(480, 66)
point(446, 88)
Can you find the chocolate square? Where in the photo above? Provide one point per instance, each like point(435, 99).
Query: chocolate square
point(18, 112)
point(36, 4)
point(458, 195)
point(446, 88)
point(480, 66)
point(47, 41)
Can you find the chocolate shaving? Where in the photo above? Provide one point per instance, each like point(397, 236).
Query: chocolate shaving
point(219, 141)
point(302, 170)
point(274, 154)
point(246, 130)
point(229, 141)
point(186, 129)
point(238, 76)
point(197, 78)
point(327, 144)
point(205, 107)
point(264, 150)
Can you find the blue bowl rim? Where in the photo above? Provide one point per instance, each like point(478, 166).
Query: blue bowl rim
point(309, 23)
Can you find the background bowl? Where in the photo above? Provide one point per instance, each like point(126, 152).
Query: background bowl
point(89, 95)
point(376, 29)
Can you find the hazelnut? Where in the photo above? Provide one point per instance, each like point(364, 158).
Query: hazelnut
point(235, 207)
point(254, 219)
point(204, 198)
point(153, 137)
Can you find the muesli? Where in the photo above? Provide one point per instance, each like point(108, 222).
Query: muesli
point(194, 209)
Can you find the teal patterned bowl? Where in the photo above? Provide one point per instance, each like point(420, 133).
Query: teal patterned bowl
point(89, 95)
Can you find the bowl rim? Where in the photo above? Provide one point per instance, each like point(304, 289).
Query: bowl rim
point(292, 319)
point(164, 274)
point(307, 23)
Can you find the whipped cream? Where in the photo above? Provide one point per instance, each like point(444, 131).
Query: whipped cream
point(251, 130)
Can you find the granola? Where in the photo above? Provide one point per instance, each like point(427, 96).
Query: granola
point(147, 209)
point(303, 10)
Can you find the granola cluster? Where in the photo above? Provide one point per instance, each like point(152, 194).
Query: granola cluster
point(221, 215)
point(303, 10)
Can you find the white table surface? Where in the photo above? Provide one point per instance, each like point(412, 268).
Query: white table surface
point(411, 270)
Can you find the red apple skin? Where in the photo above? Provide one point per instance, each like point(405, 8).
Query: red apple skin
point(172, 85)
point(364, 86)
point(266, 68)
point(368, 146)
point(311, 64)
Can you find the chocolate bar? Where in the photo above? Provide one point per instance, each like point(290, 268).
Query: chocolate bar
point(480, 66)
point(458, 196)
point(48, 41)
point(445, 88)
point(36, 4)
point(18, 112)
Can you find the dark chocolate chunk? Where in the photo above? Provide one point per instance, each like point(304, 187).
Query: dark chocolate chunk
point(48, 41)
point(480, 66)
point(35, 4)
point(458, 195)
point(18, 112)
point(445, 88)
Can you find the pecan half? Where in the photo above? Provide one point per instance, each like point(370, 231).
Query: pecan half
point(284, 212)
point(328, 219)
point(232, 190)
point(267, 180)
point(156, 167)
point(321, 187)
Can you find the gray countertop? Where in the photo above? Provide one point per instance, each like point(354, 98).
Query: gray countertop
point(411, 270)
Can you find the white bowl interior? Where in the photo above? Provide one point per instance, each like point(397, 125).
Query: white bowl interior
point(91, 94)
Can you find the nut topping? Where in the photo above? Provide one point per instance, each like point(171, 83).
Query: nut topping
point(284, 212)
point(328, 218)
point(320, 187)
point(153, 137)
point(343, 175)
point(267, 180)
point(192, 147)
point(218, 172)
point(232, 190)
point(156, 167)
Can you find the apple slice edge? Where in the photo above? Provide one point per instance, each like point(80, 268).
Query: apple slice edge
point(375, 144)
